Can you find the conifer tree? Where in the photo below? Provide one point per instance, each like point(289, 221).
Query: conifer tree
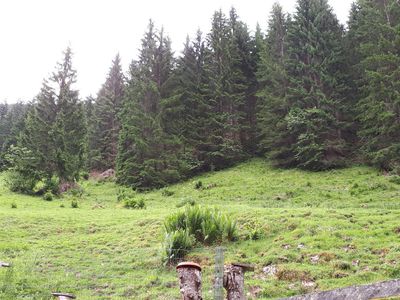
point(147, 156)
point(106, 124)
point(315, 90)
point(11, 125)
point(376, 32)
point(187, 115)
point(55, 128)
point(273, 85)
point(225, 94)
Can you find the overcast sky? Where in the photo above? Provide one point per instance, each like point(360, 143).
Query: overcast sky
point(33, 34)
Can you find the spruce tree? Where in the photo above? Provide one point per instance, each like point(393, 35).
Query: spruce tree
point(225, 94)
point(55, 128)
point(147, 156)
point(376, 32)
point(187, 112)
point(12, 122)
point(106, 124)
point(315, 90)
point(273, 85)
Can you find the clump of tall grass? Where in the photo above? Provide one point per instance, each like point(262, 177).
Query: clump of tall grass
point(196, 225)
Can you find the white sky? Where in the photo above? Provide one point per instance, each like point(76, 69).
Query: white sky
point(33, 34)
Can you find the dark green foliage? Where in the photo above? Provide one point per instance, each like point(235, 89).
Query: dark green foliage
point(198, 185)
point(376, 31)
point(134, 204)
point(48, 196)
point(22, 175)
point(105, 120)
point(167, 193)
point(307, 102)
point(307, 93)
point(273, 83)
point(148, 156)
point(74, 203)
point(11, 124)
point(13, 205)
point(55, 130)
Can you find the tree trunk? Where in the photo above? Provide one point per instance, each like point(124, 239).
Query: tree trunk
point(189, 281)
point(234, 282)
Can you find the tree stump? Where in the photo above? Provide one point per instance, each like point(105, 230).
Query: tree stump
point(189, 280)
point(234, 280)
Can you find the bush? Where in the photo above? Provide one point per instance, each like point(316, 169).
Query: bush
point(48, 196)
point(204, 225)
point(185, 202)
point(20, 183)
point(124, 193)
point(167, 193)
point(77, 191)
point(177, 244)
point(84, 175)
point(134, 204)
point(394, 179)
point(198, 185)
point(74, 203)
point(13, 205)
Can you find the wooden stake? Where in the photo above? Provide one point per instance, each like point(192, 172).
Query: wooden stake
point(189, 280)
point(234, 280)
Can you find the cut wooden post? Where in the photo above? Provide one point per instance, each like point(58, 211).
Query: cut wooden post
point(4, 264)
point(63, 296)
point(234, 280)
point(189, 280)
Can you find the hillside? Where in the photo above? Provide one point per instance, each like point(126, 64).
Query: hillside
point(321, 230)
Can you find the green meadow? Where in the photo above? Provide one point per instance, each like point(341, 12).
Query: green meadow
point(302, 231)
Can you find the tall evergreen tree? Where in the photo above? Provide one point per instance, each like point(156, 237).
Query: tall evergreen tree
point(375, 31)
point(12, 122)
point(273, 84)
point(186, 116)
point(106, 124)
point(55, 128)
point(147, 156)
point(315, 90)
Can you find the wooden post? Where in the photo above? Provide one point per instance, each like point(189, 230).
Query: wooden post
point(4, 264)
point(63, 296)
point(234, 280)
point(189, 280)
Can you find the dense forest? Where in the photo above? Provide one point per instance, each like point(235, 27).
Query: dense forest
point(307, 93)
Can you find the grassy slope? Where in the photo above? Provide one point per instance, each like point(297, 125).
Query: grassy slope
point(103, 251)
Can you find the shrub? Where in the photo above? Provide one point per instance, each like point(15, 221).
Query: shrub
point(185, 202)
point(124, 193)
point(394, 179)
point(48, 196)
point(84, 175)
point(13, 205)
point(134, 204)
point(204, 225)
point(52, 184)
point(74, 203)
point(198, 185)
point(167, 193)
point(177, 244)
point(20, 183)
point(77, 191)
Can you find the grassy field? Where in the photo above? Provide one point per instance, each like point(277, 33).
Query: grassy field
point(303, 231)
